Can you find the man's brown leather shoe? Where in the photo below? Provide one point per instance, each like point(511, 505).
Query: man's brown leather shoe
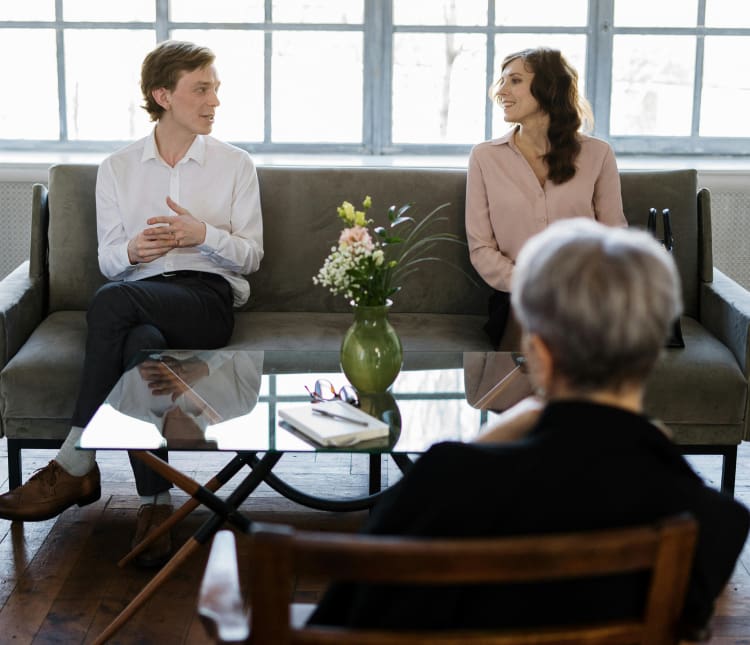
point(49, 492)
point(150, 517)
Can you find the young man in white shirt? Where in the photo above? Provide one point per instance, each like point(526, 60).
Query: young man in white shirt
point(179, 225)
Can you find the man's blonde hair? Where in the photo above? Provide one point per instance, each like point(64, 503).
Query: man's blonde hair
point(163, 67)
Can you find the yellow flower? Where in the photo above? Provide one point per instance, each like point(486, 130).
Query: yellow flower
point(359, 218)
point(346, 213)
point(367, 203)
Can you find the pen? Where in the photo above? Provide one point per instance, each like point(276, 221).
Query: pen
point(333, 415)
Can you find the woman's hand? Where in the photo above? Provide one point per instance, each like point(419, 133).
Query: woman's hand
point(514, 423)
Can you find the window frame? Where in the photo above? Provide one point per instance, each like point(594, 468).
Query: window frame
point(378, 32)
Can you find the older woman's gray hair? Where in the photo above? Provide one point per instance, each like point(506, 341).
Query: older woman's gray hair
point(601, 298)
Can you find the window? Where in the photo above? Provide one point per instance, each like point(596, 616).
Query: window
point(379, 76)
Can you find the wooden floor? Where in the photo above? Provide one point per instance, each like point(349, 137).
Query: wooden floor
point(59, 581)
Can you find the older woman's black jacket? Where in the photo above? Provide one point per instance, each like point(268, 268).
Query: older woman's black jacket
point(584, 466)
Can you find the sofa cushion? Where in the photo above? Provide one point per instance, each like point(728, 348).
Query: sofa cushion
point(318, 331)
point(39, 386)
point(700, 384)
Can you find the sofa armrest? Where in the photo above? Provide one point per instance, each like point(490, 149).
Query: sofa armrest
point(21, 306)
point(725, 312)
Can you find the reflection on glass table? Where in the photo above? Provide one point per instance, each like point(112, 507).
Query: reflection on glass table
point(229, 400)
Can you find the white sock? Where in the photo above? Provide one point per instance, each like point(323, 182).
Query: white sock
point(160, 498)
point(72, 460)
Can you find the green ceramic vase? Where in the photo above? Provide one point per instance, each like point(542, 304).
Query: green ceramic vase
point(371, 353)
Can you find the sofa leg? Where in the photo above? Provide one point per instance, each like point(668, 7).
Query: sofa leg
point(14, 464)
point(15, 446)
point(728, 461)
point(729, 470)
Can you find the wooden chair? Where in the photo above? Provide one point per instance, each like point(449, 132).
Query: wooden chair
point(280, 554)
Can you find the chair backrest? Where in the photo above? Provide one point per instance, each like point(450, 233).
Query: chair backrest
point(281, 554)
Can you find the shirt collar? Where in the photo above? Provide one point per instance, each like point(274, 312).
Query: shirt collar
point(507, 138)
point(196, 151)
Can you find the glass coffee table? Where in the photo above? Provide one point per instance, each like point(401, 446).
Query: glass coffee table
point(228, 400)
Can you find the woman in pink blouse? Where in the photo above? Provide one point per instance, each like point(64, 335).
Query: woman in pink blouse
point(541, 170)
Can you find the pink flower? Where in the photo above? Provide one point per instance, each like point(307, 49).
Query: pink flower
point(356, 236)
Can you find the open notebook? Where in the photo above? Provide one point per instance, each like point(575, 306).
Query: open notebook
point(333, 423)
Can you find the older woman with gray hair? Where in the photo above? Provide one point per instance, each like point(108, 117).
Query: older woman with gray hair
point(595, 304)
point(595, 309)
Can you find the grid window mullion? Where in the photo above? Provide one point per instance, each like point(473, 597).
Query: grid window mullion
point(61, 93)
point(489, 105)
point(378, 33)
point(700, 48)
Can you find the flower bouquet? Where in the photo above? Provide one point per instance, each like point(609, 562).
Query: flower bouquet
point(368, 268)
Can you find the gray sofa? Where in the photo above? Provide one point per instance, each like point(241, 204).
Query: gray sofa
point(700, 391)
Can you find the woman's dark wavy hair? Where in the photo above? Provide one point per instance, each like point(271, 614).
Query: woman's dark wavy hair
point(555, 87)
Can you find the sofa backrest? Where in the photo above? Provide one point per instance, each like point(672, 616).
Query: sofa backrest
point(300, 226)
point(72, 245)
point(676, 190)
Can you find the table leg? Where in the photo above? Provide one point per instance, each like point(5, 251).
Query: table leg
point(192, 487)
point(404, 462)
point(157, 581)
point(214, 484)
point(376, 481)
point(260, 471)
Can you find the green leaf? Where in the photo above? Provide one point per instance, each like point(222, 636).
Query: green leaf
point(401, 220)
point(394, 214)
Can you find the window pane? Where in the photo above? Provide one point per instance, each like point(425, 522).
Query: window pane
point(438, 88)
point(216, 11)
point(317, 11)
point(727, 13)
point(549, 13)
point(28, 10)
point(317, 87)
point(648, 13)
point(34, 113)
point(726, 94)
point(440, 12)
point(652, 85)
point(97, 10)
point(239, 63)
point(572, 47)
point(102, 69)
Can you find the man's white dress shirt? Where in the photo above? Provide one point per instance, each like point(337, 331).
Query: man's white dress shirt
point(215, 181)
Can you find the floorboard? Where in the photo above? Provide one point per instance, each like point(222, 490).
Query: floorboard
point(60, 583)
